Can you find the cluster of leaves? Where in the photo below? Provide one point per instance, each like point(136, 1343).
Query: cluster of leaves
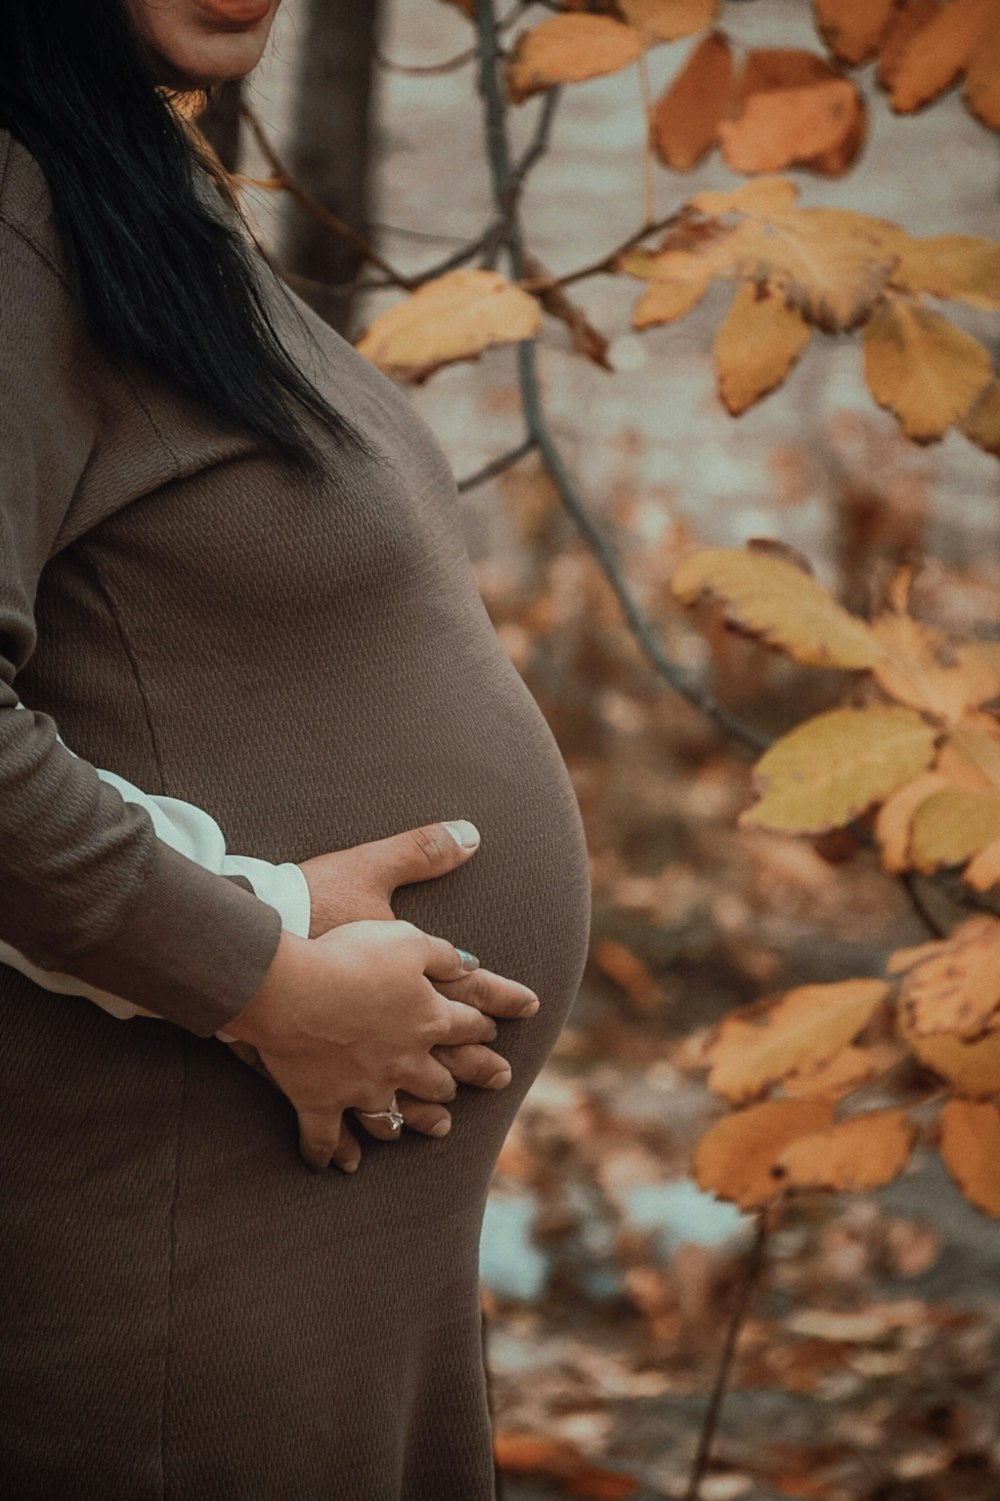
point(917, 753)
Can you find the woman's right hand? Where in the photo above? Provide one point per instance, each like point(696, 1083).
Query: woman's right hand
point(347, 1019)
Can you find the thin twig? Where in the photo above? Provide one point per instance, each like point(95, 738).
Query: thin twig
point(496, 466)
point(748, 1283)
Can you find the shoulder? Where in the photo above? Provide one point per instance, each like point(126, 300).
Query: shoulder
point(26, 212)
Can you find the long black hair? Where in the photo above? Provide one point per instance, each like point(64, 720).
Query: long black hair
point(160, 274)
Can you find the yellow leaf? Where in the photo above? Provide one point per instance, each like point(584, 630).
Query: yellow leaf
point(686, 118)
point(953, 986)
point(922, 367)
point(952, 825)
point(831, 264)
point(983, 871)
point(454, 317)
point(776, 601)
point(965, 268)
point(981, 423)
point(938, 53)
point(735, 1156)
point(852, 29)
point(839, 1075)
point(832, 768)
point(895, 817)
point(569, 49)
point(781, 127)
point(666, 301)
point(668, 20)
point(764, 195)
point(756, 345)
point(970, 1148)
point(982, 77)
point(853, 1155)
point(801, 1031)
point(972, 1069)
point(920, 667)
point(971, 757)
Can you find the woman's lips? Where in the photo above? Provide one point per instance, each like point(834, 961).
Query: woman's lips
point(236, 12)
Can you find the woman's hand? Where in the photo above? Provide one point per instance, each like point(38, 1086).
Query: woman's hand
point(356, 884)
point(347, 1019)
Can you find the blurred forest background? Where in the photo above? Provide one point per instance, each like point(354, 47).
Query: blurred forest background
point(868, 1364)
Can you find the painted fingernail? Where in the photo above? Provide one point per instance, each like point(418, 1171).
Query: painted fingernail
point(467, 960)
point(463, 832)
point(499, 1079)
point(350, 1167)
point(530, 1008)
point(441, 1129)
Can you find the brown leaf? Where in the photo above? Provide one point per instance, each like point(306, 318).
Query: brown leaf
point(559, 1459)
point(685, 122)
point(568, 49)
point(920, 667)
point(952, 825)
point(909, 18)
point(735, 1156)
point(853, 1156)
point(775, 600)
point(982, 77)
point(832, 768)
point(953, 985)
point(831, 264)
point(668, 20)
point(970, 1149)
point(802, 1031)
point(922, 367)
point(453, 317)
point(965, 268)
point(938, 52)
point(756, 345)
point(587, 340)
point(820, 125)
point(852, 29)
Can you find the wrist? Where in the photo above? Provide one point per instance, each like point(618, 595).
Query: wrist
point(266, 1016)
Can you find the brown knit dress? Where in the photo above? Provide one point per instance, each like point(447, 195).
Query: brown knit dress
point(186, 1312)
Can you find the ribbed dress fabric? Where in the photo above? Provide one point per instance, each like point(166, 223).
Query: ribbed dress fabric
point(186, 1312)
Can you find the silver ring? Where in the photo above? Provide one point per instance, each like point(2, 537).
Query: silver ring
point(391, 1115)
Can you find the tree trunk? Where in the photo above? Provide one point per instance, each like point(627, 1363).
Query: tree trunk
point(329, 148)
point(221, 123)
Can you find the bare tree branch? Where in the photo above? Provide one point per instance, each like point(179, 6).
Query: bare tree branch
point(497, 466)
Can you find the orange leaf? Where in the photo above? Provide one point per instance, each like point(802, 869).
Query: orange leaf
point(938, 53)
point(559, 1459)
point(971, 1068)
point(982, 77)
point(764, 195)
point(965, 268)
point(831, 264)
point(922, 367)
point(982, 421)
point(852, 29)
point(568, 49)
point(803, 1030)
point(756, 345)
point(853, 1155)
point(894, 819)
point(920, 667)
point(629, 972)
point(668, 20)
point(909, 18)
point(839, 1075)
point(686, 118)
point(952, 986)
point(453, 317)
point(809, 125)
point(735, 1156)
point(970, 1148)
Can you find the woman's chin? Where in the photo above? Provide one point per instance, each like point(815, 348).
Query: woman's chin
point(210, 60)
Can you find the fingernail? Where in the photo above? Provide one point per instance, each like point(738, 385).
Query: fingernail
point(441, 1129)
point(493, 1032)
point(467, 960)
point(499, 1079)
point(463, 832)
point(349, 1167)
point(530, 1008)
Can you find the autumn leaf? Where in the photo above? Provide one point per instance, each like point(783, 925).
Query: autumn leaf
point(972, 1069)
point(982, 78)
point(668, 20)
point(895, 817)
point(830, 264)
point(735, 1157)
point(821, 125)
point(776, 601)
point(909, 18)
point(922, 367)
point(831, 768)
point(920, 667)
point(685, 121)
point(756, 345)
point(981, 423)
point(938, 53)
point(569, 49)
point(852, 29)
point(964, 268)
point(952, 986)
point(952, 825)
point(683, 269)
point(851, 1156)
point(803, 1030)
point(559, 1459)
point(763, 195)
point(983, 871)
point(628, 971)
point(453, 317)
point(970, 1149)
point(838, 1075)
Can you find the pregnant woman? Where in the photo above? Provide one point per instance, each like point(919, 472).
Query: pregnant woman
point(233, 581)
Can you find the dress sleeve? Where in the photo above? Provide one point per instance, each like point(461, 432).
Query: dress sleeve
point(87, 886)
point(195, 833)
